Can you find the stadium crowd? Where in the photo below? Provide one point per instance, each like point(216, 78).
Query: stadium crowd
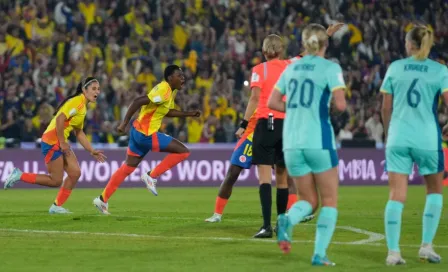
point(46, 47)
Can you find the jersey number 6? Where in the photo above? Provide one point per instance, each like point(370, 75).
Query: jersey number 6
point(413, 95)
point(304, 102)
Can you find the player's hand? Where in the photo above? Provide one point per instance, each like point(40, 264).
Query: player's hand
point(195, 113)
point(65, 148)
point(121, 128)
point(239, 133)
point(98, 155)
point(445, 133)
point(334, 28)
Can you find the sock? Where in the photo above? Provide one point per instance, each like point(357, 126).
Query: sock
point(220, 205)
point(117, 178)
point(62, 196)
point(326, 223)
point(292, 199)
point(282, 200)
point(28, 177)
point(266, 203)
point(298, 211)
point(167, 163)
point(392, 224)
point(431, 217)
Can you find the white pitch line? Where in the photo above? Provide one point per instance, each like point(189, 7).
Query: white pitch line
point(229, 239)
point(373, 236)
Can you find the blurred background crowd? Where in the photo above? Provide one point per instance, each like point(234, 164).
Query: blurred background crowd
point(48, 46)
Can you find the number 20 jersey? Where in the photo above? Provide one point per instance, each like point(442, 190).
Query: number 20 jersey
point(308, 85)
point(416, 86)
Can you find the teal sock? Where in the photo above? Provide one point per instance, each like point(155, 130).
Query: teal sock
point(298, 211)
point(392, 224)
point(326, 223)
point(431, 217)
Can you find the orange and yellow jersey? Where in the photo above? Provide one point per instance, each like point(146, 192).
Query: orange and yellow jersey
point(150, 117)
point(75, 111)
point(249, 131)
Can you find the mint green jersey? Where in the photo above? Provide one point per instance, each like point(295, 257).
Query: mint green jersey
point(416, 87)
point(308, 84)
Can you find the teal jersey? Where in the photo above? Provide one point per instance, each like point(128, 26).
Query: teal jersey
point(416, 87)
point(308, 84)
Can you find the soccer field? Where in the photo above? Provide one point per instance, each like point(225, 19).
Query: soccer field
point(168, 233)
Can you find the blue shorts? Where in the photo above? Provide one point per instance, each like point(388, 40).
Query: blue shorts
point(301, 162)
point(401, 160)
point(242, 154)
point(140, 144)
point(51, 152)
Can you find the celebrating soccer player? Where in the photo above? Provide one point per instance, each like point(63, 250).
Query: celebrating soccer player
point(411, 89)
point(59, 157)
point(308, 138)
point(144, 135)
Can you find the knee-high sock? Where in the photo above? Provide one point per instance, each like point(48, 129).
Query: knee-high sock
point(326, 223)
point(167, 163)
point(431, 217)
point(392, 224)
point(117, 178)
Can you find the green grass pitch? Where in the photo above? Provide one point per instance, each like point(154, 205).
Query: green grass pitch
point(168, 233)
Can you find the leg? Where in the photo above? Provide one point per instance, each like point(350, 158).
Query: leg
point(431, 166)
point(327, 183)
point(292, 193)
point(225, 191)
point(179, 152)
point(399, 166)
point(264, 159)
point(73, 171)
point(281, 180)
point(53, 179)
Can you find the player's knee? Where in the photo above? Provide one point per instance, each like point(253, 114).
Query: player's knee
point(75, 175)
point(55, 182)
point(397, 195)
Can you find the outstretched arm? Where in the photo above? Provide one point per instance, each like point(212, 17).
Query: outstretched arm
point(176, 113)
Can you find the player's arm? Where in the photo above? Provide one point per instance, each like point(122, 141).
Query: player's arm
point(444, 87)
point(82, 139)
point(337, 86)
point(134, 107)
point(276, 102)
point(387, 107)
point(177, 113)
point(253, 103)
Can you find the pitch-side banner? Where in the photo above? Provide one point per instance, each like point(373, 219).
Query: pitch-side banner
point(206, 166)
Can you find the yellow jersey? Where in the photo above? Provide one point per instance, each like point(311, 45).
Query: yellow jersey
point(150, 117)
point(75, 110)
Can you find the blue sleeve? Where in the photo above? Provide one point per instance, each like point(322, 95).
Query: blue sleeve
point(335, 77)
point(444, 79)
point(281, 83)
point(386, 87)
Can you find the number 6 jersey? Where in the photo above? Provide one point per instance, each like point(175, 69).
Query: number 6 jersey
point(416, 86)
point(308, 85)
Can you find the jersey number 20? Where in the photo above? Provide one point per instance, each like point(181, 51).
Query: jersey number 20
point(413, 95)
point(306, 93)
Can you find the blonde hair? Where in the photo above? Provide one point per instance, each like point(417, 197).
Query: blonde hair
point(272, 46)
point(422, 38)
point(314, 38)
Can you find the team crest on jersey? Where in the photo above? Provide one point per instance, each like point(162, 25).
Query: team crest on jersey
point(255, 77)
point(243, 158)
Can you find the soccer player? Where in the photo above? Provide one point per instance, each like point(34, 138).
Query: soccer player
point(308, 138)
point(59, 157)
point(411, 91)
point(144, 135)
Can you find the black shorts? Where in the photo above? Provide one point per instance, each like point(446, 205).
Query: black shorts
point(267, 146)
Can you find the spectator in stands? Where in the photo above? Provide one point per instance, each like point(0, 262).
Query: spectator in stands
point(375, 128)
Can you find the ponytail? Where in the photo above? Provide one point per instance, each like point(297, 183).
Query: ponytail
point(422, 38)
point(314, 38)
point(82, 85)
point(425, 45)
